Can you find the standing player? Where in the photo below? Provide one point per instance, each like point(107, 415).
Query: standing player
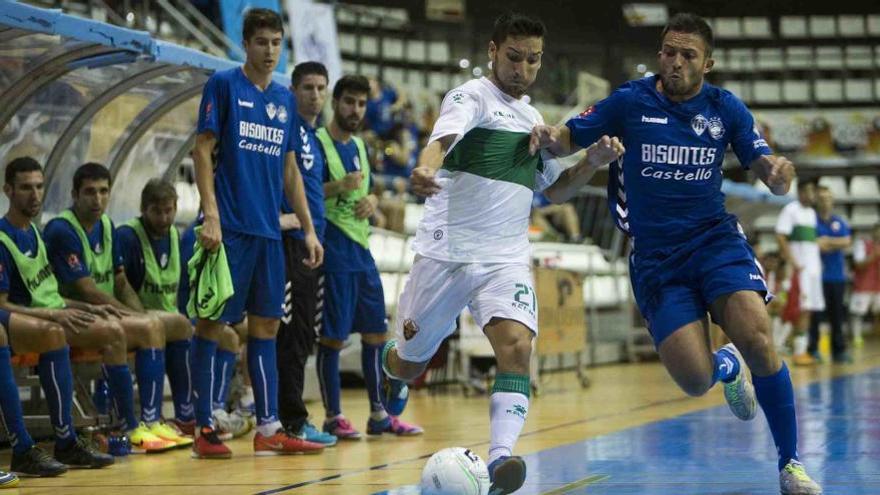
point(472, 244)
point(355, 301)
point(249, 117)
point(689, 255)
point(796, 234)
point(304, 288)
point(866, 283)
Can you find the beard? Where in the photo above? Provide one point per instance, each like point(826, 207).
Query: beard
point(680, 86)
point(347, 125)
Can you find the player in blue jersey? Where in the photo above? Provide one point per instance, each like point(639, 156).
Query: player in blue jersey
point(689, 255)
point(250, 119)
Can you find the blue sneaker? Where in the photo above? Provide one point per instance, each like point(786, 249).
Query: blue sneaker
point(312, 434)
point(392, 424)
point(394, 395)
point(507, 474)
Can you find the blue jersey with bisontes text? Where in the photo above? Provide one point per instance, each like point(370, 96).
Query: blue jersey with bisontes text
point(667, 186)
point(253, 128)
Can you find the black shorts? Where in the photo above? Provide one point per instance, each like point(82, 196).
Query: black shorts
point(303, 294)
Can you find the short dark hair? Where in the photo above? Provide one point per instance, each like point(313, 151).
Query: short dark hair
point(513, 24)
point(157, 191)
point(353, 84)
point(255, 19)
point(807, 182)
point(307, 69)
point(89, 171)
point(690, 23)
point(19, 165)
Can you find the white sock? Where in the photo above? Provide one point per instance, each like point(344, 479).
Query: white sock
point(378, 415)
point(800, 344)
point(507, 415)
point(269, 429)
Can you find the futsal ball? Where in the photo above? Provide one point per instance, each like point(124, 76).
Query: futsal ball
point(455, 471)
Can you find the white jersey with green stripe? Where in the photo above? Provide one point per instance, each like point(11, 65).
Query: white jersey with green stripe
point(481, 213)
point(798, 223)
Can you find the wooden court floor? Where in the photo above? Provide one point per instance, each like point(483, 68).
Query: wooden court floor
point(621, 397)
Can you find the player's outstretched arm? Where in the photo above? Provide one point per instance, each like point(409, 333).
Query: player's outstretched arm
point(556, 140)
point(210, 235)
point(599, 154)
point(775, 171)
point(296, 196)
point(430, 161)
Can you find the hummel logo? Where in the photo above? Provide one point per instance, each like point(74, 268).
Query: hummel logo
point(655, 120)
point(246, 104)
point(726, 365)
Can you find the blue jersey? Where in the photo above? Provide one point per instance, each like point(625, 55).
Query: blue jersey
point(253, 129)
point(832, 261)
point(66, 251)
point(10, 278)
point(667, 186)
point(310, 159)
point(133, 254)
point(379, 116)
point(341, 253)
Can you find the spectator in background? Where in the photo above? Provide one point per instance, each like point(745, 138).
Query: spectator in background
point(552, 218)
point(380, 108)
point(833, 237)
point(866, 282)
point(400, 153)
point(796, 234)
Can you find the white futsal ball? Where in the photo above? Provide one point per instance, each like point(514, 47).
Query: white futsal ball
point(455, 471)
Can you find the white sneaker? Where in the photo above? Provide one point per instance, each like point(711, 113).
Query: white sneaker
point(793, 480)
point(740, 393)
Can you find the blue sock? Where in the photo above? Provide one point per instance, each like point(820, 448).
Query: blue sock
point(150, 372)
point(177, 367)
point(263, 369)
point(56, 378)
point(726, 366)
point(10, 404)
point(372, 369)
point(776, 398)
point(328, 377)
point(121, 389)
point(203, 357)
point(224, 367)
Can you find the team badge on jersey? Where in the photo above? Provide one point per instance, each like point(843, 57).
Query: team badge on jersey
point(716, 128)
point(271, 110)
point(163, 261)
point(410, 329)
point(699, 124)
point(73, 262)
point(282, 114)
point(588, 111)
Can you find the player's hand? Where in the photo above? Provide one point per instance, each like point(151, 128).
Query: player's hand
point(780, 174)
point(289, 221)
point(210, 235)
point(316, 251)
point(74, 319)
point(422, 181)
point(604, 151)
point(542, 136)
point(352, 181)
point(366, 206)
point(109, 311)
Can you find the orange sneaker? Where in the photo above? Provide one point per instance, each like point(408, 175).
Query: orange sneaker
point(803, 360)
point(208, 446)
point(284, 442)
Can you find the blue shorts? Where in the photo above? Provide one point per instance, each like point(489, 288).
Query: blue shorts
point(4, 320)
point(257, 268)
point(676, 286)
point(354, 302)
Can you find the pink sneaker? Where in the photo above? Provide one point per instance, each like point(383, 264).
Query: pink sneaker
point(341, 428)
point(392, 424)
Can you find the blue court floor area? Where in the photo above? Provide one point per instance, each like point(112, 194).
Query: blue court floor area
point(712, 452)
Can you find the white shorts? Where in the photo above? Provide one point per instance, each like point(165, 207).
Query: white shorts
point(861, 302)
point(812, 295)
point(437, 292)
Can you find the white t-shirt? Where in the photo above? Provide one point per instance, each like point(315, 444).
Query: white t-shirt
point(481, 213)
point(798, 223)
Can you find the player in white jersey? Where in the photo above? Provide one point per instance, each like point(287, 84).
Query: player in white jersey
point(472, 243)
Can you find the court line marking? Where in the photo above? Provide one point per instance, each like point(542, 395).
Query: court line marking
point(589, 480)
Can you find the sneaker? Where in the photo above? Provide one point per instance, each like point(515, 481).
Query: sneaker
point(817, 356)
point(143, 441)
point(392, 424)
point(341, 428)
point(740, 393)
point(394, 395)
point(313, 434)
point(283, 442)
point(207, 445)
point(842, 358)
point(187, 428)
point(8, 480)
point(858, 342)
point(507, 474)
point(81, 454)
point(169, 433)
point(36, 462)
point(803, 360)
point(793, 480)
point(231, 425)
